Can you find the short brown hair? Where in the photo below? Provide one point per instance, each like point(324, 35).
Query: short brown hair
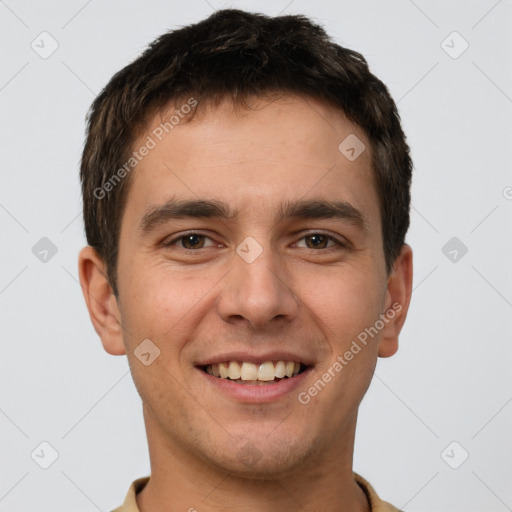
point(238, 55)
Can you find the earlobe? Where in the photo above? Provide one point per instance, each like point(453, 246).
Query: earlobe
point(101, 301)
point(398, 297)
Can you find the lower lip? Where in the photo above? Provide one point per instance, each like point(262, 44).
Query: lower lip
point(256, 393)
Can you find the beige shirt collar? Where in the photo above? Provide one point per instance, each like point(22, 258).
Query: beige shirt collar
point(376, 504)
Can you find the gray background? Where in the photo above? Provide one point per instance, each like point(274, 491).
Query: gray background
point(450, 381)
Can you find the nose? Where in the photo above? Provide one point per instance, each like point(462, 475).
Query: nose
point(258, 293)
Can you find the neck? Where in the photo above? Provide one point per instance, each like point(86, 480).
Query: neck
point(182, 481)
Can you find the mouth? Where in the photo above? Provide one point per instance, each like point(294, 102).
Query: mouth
point(250, 373)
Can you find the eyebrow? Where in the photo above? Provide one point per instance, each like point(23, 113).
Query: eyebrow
point(213, 209)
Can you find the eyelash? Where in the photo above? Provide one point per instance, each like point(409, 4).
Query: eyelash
point(330, 238)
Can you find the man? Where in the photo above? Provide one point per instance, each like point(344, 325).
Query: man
point(246, 199)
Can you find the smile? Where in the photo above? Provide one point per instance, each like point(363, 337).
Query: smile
point(244, 372)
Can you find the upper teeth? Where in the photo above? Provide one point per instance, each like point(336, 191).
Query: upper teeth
point(250, 371)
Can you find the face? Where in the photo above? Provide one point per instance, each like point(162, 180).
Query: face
point(249, 238)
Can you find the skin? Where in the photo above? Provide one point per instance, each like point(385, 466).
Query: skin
point(314, 301)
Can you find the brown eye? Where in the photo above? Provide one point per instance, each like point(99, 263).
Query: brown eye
point(190, 241)
point(317, 241)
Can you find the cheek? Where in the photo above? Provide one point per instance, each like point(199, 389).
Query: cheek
point(158, 296)
point(347, 306)
point(167, 307)
point(345, 301)
point(162, 308)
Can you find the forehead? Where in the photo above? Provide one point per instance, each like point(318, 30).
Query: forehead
point(255, 158)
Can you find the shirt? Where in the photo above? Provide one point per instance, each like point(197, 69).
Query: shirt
point(376, 504)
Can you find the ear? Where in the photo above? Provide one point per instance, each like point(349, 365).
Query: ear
point(396, 304)
point(101, 301)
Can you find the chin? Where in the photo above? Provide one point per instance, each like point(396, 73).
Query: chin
point(261, 459)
